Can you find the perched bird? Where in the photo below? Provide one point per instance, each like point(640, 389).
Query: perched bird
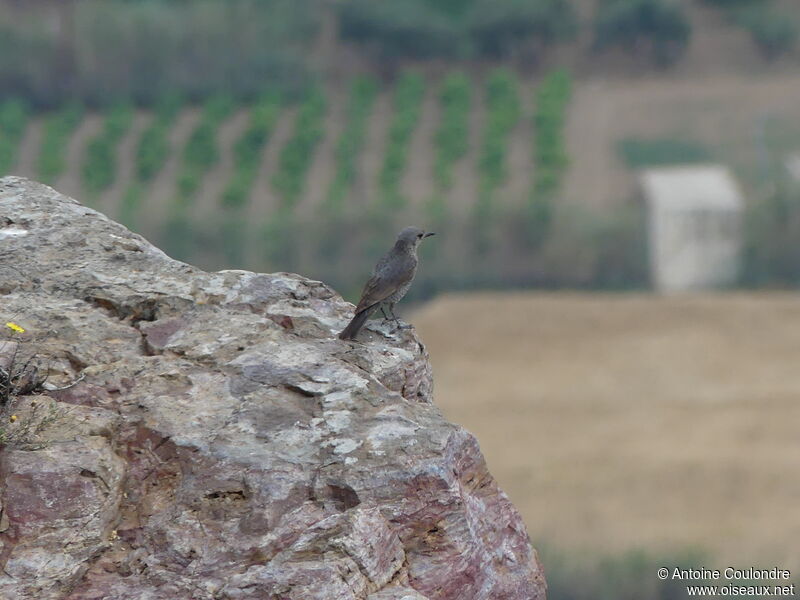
point(390, 280)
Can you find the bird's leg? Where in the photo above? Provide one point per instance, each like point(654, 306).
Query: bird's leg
point(385, 316)
point(394, 317)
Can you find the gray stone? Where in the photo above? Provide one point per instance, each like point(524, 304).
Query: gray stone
point(223, 443)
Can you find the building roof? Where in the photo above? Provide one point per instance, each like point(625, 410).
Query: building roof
point(691, 187)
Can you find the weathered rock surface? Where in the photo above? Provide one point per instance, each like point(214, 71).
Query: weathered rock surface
point(223, 444)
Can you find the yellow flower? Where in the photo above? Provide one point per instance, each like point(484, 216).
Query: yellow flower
point(15, 327)
point(12, 418)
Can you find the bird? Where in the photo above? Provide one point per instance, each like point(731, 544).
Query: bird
point(391, 278)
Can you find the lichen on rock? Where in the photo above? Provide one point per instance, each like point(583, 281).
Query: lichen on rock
point(223, 443)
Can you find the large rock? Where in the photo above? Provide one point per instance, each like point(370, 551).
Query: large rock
point(223, 443)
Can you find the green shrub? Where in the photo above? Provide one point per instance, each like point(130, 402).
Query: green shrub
point(153, 148)
point(421, 29)
point(774, 32)
point(201, 150)
point(189, 180)
point(452, 136)
point(263, 118)
point(549, 118)
point(407, 107)
point(118, 122)
point(237, 191)
point(97, 172)
point(407, 29)
point(218, 108)
point(248, 148)
point(549, 150)
point(296, 156)
point(637, 152)
point(99, 166)
point(152, 151)
point(195, 48)
point(363, 92)
point(201, 153)
point(660, 26)
point(502, 114)
point(14, 114)
point(58, 128)
point(451, 8)
point(498, 28)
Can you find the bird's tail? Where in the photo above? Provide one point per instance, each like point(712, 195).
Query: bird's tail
point(351, 331)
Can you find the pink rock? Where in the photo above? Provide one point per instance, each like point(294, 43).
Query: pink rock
point(213, 451)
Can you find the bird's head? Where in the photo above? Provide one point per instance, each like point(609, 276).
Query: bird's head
point(412, 236)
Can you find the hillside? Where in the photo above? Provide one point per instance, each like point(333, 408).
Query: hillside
point(720, 112)
point(508, 158)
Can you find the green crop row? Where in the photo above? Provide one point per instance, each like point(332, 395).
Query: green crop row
point(407, 107)
point(363, 92)
point(297, 154)
point(99, 165)
point(550, 113)
point(452, 136)
point(451, 141)
point(13, 120)
point(58, 128)
point(502, 114)
point(549, 151)
point(201, 152)
point(248, 149)
point(153, 148)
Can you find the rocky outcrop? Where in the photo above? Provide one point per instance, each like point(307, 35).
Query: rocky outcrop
point(220, 442)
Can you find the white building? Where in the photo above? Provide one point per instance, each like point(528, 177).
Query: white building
point(694, 222)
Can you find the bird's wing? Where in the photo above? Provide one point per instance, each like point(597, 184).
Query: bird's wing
point(379, 288)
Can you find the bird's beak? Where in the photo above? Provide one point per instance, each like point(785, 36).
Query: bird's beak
point(429, 234)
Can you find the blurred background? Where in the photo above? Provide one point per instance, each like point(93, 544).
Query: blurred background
point(564, 150)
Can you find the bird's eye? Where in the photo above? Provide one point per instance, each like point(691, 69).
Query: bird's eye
point(419, 235)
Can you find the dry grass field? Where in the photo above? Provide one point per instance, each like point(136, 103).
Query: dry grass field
point(619, 422)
